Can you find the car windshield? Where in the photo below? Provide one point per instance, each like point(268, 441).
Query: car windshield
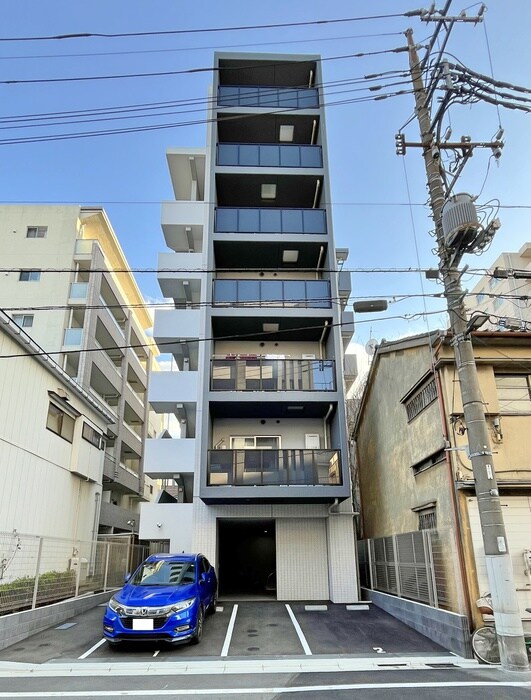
point(164, 573)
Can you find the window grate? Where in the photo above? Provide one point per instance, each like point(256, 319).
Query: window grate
point(426, 396)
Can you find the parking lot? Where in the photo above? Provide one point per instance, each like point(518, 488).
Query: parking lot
point(238, 629)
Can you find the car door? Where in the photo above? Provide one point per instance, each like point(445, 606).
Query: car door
point(208, 588)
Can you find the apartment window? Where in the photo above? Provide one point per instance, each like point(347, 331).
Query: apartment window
point(514, 393)
point(92, 436)
point(428, 519)
point(29, 275)
point(36, 231)
point(60, 422)
point(255, 442)
point(422, 399)
point(23, 320)
point(427, 462)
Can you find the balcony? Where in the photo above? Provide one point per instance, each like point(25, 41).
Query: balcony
point(269, 155)
point(306, 294)
point(254, 220)
point(266, 374)
point(254, 96)
point(165, 457)
point(179, 277)
point(274, 468)
point(182, 224)
point(176, 331)
point(78, 292)
point(73, 338)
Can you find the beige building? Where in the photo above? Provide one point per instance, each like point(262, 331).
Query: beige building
point(505, 292)
point(413, 468)
point(51, 454)
point(64, 291)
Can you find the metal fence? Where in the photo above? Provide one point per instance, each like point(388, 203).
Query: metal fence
point(411, 565)
point(37, 570)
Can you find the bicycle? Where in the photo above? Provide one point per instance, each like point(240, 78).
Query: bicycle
point(485, 640)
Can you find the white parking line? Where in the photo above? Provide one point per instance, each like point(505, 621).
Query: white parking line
point(301, 636)
point(89, 652)
point(228, 636)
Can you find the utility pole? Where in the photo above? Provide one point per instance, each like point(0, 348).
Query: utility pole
point(499, 568)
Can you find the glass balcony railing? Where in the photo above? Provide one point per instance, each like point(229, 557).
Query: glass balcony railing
point(83, 246)
point(269, 155)
point(266, 374)
point(308, 294)
point(253, 96)
point(270, 220)
point(73, 337)
point(78, 290)
point(274, 468)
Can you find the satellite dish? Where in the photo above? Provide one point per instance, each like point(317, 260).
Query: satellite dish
point(370, 346)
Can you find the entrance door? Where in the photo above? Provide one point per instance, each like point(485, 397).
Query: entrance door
point(247, 557)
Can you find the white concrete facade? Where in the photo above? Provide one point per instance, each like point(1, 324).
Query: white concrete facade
point(256, 276)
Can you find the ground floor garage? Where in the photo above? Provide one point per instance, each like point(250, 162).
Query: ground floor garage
point(284, 552)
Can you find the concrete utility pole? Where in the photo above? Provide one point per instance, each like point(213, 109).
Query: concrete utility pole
point(499, 568)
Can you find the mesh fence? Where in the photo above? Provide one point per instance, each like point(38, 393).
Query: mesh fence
point(37, 571)
point(417, 565)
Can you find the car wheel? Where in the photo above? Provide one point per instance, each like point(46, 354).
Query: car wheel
point(212, 607)
point(199, 627)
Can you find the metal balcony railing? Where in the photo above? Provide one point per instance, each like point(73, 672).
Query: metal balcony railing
point(269, 155)
point(267, 374)
point(269, 220)
point(309, 294)
point(254, 96)
point(274, 468)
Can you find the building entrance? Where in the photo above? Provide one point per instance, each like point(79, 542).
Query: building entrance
point(247, 557)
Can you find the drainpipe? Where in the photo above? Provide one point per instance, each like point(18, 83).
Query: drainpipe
point(350, 512)
point(325, 431)
point(455, 507)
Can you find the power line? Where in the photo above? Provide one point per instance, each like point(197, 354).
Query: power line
point(237, 336)
point(77, 119)
point(217, 47)
point(166, 32)
point(174, 125)
point(184, 71)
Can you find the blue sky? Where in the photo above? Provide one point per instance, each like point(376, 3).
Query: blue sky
point(127, 173)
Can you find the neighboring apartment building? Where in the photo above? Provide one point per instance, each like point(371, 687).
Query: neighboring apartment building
point(258, 333)
point(413, 467)
point(505, 292)
point(94, 321)
point(51, 447)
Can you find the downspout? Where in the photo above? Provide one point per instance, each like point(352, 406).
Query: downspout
point(455, 507)
point(325, 431)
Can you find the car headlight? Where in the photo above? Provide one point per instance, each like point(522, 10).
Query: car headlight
point(116, 606)
point(182, 605)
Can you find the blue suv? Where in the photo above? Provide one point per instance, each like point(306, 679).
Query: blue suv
point(166, 599)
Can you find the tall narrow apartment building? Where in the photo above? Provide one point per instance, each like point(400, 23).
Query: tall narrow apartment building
point(258, 332)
